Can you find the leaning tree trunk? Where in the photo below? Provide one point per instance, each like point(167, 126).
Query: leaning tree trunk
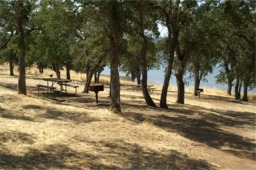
point(144, 83)
point(88, 80)
point(144, 86)
point(168, 72)
point(89, 75)
point(11, 64)
point(22, 50)
point(144, 65)
point(196, 78)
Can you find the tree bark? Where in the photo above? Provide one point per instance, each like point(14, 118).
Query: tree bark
point(5, 44)
point(68, 71)
point(229, 90)
point(133, 75)
point(57, 70)
point(181, 87)
point(143, 55)
point(144, 83)
point(22, 49)
point(99, 69)
point(11, 63)
point(88, 80)
point(41, 69)
point(237, 93)
point(114, 37)
point(168, 71)
point(246, 84)
point(196, 78)
point(138, 75)
point(229, 77)
point(89, 75)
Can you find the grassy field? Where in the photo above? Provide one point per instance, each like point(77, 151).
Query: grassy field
point(52, 131)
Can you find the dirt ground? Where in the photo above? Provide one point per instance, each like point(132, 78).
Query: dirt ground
point(67, 131)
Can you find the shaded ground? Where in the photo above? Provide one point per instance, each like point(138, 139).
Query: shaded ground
point(45, 131)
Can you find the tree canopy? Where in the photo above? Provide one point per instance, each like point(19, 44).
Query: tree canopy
point(87, 35)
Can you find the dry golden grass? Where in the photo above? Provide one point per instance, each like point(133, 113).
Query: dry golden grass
point(43, 131)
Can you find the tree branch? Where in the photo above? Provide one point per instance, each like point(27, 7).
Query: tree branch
point(6, 43)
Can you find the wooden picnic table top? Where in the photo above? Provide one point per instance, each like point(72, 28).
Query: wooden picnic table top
point(57, 80)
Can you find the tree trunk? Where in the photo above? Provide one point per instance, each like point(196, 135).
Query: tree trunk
point(133, 76)
point(56, 69)
point(88, 80)
point(89, 74)
point(11, 64)
point(181, 87)
point(237, 93)
point(144, 85)
point(229, 90)
point(239, 90)
point(22, 50)
point(138, 75)
point(114, 37)
point(68, 71)
point(246, 84)
point(41, 69)
point(97, 74)
point(144, 64)
point(95, 77)
point(168, 71)
point(196, 78)
point(245, 97)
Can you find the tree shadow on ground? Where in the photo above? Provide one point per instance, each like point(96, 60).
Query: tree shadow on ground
point(35, 159)
point(76, 117)
point(17, 137)
point(9, 86)
point(118, 154)
point(10, 115)
point(224, 98)
point(199, 125)
point(107, 154)
point(221, 117)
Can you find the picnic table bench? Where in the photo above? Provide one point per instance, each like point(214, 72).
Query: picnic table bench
point(68, 85)
point(46, 87)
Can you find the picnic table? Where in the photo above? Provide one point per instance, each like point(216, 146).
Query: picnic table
point(63, 83)
point(150, 87)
